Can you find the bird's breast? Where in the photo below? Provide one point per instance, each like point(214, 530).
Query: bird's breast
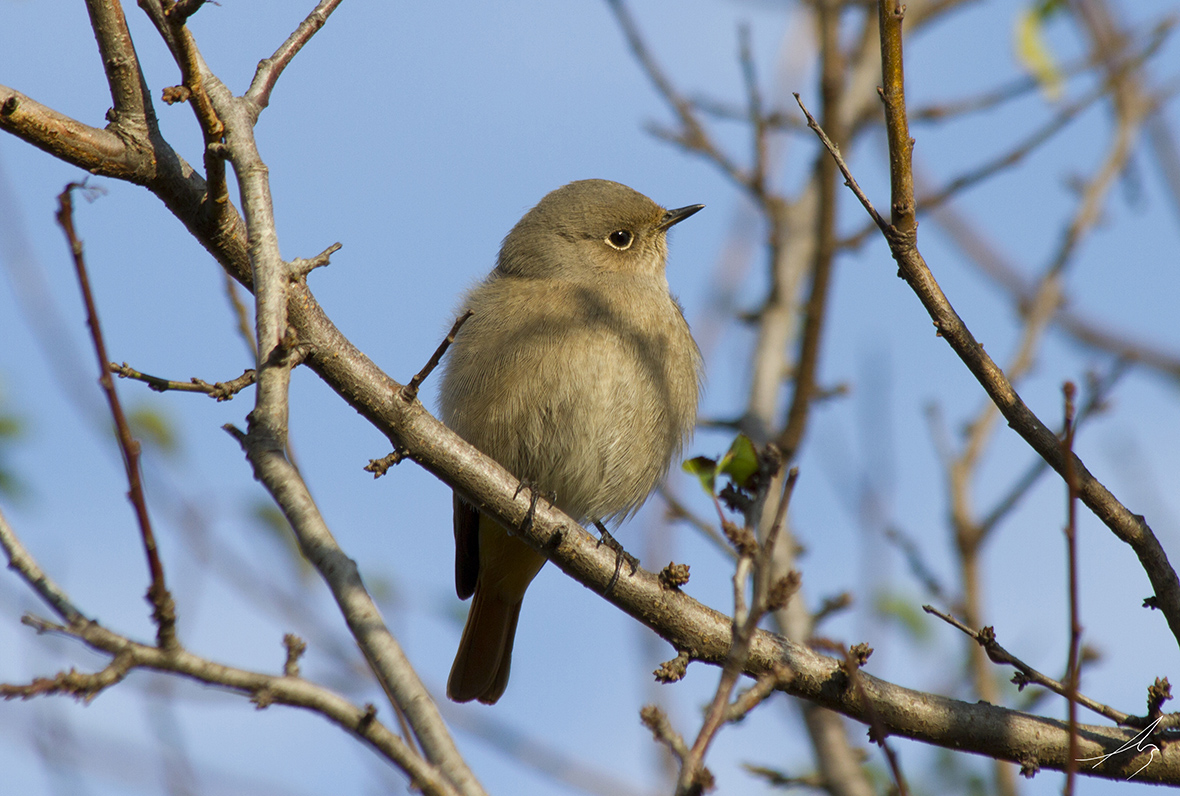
point(586, 390)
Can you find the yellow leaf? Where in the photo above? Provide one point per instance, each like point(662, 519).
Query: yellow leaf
point(1033, 53)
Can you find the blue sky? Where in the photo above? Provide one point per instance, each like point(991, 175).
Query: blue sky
point(416, 135)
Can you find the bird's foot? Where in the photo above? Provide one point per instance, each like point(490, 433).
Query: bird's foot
point(621, 555)
point(534, 497)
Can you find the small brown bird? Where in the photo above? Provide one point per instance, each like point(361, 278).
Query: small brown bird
point(577, 373)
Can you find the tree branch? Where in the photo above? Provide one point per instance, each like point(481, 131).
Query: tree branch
point(163, 606)
point(96, 150)
point(901, 236)
point(269, 69)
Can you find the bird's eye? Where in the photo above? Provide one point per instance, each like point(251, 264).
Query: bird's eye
point(621, 239)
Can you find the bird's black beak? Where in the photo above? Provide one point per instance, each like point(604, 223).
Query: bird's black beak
point(676, 216)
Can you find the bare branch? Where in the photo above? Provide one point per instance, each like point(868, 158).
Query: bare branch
point(97, 151)
point(241, 316)
point(219, 391)
point(410, 391)
point(756, 560)
point(1073, 662)
point(986, 638)
point(269, 69)
point(72, 683)
point(26, 566)
point(901, 235)
point(1098, 393)
point(824, 178)
point(164, 608)
point(1078, 326)
point(1015, 155)
point(677, 510)
point(849, 180)
point(133, 105)
point(301, 267)
point(692, 135)
point(263, 689)
point(384, 654)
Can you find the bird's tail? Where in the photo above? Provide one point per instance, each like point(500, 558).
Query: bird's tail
point(484, 658)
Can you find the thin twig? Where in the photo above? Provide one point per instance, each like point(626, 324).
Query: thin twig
point(916, 561)
point(193, 75)
point(849, 180)
point(1038, 137)
point(754, 113)
point(1072, 672)
point(241, 316)
point(721, 109)
point(528, 747)
point(72, 683)
point(657, 721)
point(692, 135)
point(1016, 88)
point(1027, 675)
point(220, 391)
point(969, 536)
point(263, 689)
point(410, 391)
point(301, 267)
point(853, 659)
point(981, 252)
point(766, 597)
point(163, 606)
point(1015, 155)
point(269, 69)
point(21, 562)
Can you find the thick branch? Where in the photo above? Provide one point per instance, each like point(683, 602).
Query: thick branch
point(675, 616)
point(129, 92)
point(98, 151)
point(380, 648)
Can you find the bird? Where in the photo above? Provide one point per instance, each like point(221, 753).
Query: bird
point(577, 372)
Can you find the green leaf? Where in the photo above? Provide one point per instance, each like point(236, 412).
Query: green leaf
point(740, 462)
point(11, 427)
point(704, 468)
point(1047, 8)
point(903, 610)
point(153, 427)
point(11, 485)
